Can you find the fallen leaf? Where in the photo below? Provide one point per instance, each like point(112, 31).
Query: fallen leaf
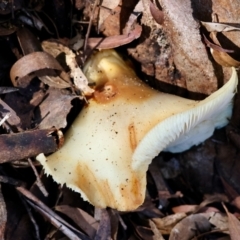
point(190, 227)
point(185, 209)
point(166, 224)
point(157, 14)
point(76, 73)
point(82, 219)
point(218, 27)
point(32, 65)
point(53, 110)
point(114, 41)
point(215, 46)
point(106, 9)
point(233, 225)
point(25, 101)
point(219, 220)
point(157, 235)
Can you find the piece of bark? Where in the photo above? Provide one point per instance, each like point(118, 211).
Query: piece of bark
point(26, 144)
point(189, 53)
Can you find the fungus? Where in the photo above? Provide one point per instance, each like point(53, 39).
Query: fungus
point(126, 124)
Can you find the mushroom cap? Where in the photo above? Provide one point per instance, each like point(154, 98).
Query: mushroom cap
point(126, 124)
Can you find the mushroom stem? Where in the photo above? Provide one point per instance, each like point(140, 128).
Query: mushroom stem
point(126, 124)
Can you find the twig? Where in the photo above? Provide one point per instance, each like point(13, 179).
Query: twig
point(55, 219)
point(90, 25)
point(31, 218)
point(38, 180)
point(70, 234)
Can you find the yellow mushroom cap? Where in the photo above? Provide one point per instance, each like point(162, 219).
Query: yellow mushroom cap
point(126, 124)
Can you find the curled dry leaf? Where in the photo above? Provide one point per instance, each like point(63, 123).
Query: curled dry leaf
point(157, 14)
point(215, 46)
point(222, 57)
point(76, 73)
point(115, 41)
point(127, 133)
point(35, 64)
point(218, 27)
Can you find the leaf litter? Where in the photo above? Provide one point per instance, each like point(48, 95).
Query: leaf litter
point(173, 57)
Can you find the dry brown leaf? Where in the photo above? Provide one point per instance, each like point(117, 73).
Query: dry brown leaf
point(223, 59)
point(185, 209)
point(84, 221)
point(157, 14)
point(57, 221)
point(218, 27)
point(76, 73)
point(106, 9)
point(219, 220)
point(25, 101)
point(32, 65)
point(233, 225)
point(54, 109)
point(215, 46)
point(56, 82)
point(115, 41)
point(166, 224)
point(190, 227)
point(157, 235)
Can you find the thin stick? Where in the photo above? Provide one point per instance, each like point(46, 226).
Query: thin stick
point(90, 25)
point(70, 234)
point(31, 218)
point(38, 180)
point(49, 213)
